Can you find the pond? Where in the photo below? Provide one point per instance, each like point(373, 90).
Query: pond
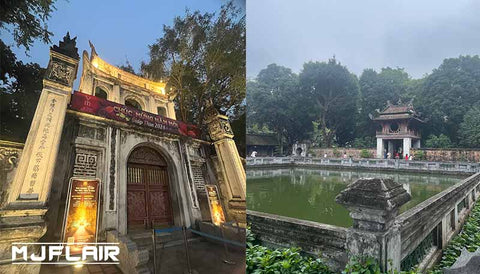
point(309, 194)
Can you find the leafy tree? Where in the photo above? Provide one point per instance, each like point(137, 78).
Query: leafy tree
point(332, 92)
point(448, 93)
point(441, 141)
point(20, 84)
point(203, 56)
point(274, 103)
point(469, 132)
point(18, 98)
point(391, 84)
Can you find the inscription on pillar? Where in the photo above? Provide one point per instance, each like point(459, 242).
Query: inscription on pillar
point(37, 167)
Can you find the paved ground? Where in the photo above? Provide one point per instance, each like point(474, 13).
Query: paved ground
point(205, 257)
point(85, 269)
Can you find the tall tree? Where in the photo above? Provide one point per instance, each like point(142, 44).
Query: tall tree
point(469, 132)
point(203, 57)
point(273, 101)
point(376, 89)
point(448, 93)
point(20, 84)
point(333, 92)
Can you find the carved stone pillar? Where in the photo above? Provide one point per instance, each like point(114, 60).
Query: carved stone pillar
point(233, 183)
point(373, 205)
point(22, 218)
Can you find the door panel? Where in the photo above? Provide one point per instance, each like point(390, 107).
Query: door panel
point(148, 196)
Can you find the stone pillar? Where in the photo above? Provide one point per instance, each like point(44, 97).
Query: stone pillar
point(373, 205)
point(22, 219)
point(407, 144)
point(115, 97)
point(390, 148)
point(380, 148)
point(232, 170)
point(171, 111)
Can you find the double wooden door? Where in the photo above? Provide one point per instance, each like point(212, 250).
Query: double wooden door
point(148, 198)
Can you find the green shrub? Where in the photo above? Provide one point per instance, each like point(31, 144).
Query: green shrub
point(261, 259)
point(419, 155)
point(365, 154)
point(468, 238)
point(442, 141)
point(336, 153)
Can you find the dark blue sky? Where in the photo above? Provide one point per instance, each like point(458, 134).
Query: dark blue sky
point(120, 30)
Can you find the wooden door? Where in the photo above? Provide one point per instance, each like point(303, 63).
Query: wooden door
point(148, 198)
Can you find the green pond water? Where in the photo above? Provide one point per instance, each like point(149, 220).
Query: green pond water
point(309, 194)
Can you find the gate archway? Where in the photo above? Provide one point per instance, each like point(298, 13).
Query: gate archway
point(148, 195)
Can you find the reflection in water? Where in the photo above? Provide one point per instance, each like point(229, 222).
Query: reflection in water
point(309, 194)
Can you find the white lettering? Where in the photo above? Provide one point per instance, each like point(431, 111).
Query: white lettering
point(89, 251)
point(68, 257)
point(54, 250)
point(42, 256)
point(111, 252)
point(16, 250)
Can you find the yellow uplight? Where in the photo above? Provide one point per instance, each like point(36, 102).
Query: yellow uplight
point(95, 63)
point(78, 265)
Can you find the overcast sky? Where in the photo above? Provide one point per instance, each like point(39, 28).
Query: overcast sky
point(415, 35)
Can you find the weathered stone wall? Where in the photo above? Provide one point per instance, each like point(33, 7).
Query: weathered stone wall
point(338, 152)
point(447, 155)
point(416, 223)
point(314, 238)
point(10, 153)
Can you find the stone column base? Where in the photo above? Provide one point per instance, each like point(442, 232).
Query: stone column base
point(20, 226)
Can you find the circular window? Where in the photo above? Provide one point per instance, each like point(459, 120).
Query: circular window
point(394, 127)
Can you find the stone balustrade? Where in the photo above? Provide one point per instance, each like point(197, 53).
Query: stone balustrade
point(382, 164)
point(413, 239)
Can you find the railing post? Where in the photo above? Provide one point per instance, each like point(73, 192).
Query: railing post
point(373, 205)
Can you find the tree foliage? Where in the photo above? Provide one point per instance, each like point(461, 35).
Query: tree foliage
point(448, 93)
point(20, 84)
point(203, 56)
point(440, 141)
point(332, 92)
point(275, 104)
point(469, 132)
point(390, 84)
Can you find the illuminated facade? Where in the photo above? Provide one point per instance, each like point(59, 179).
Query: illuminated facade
point(121, 129)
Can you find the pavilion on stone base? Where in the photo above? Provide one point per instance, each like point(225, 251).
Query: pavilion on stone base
point(399, 130)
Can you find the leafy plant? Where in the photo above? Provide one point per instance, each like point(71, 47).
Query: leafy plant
point(419, 155)
point(365, 154)
point(468, 238)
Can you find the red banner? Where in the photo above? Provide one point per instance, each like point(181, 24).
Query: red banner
point(110, 110)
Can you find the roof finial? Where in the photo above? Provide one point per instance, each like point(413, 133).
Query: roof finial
point(67, 47)
point(92, 47)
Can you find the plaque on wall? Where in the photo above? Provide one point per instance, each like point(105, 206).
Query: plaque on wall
point(216, 210)
point(81, 215)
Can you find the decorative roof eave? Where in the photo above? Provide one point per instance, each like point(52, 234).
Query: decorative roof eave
point(100, 66)
point(398, 117)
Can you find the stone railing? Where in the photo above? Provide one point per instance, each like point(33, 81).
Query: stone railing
point(413, 239)
point(384, 164)
point(431, 224)
point(314, 238)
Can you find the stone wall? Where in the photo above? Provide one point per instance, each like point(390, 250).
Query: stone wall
point(338, 152)
point(314, 238)
point(453, 154)
point(9, 156)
